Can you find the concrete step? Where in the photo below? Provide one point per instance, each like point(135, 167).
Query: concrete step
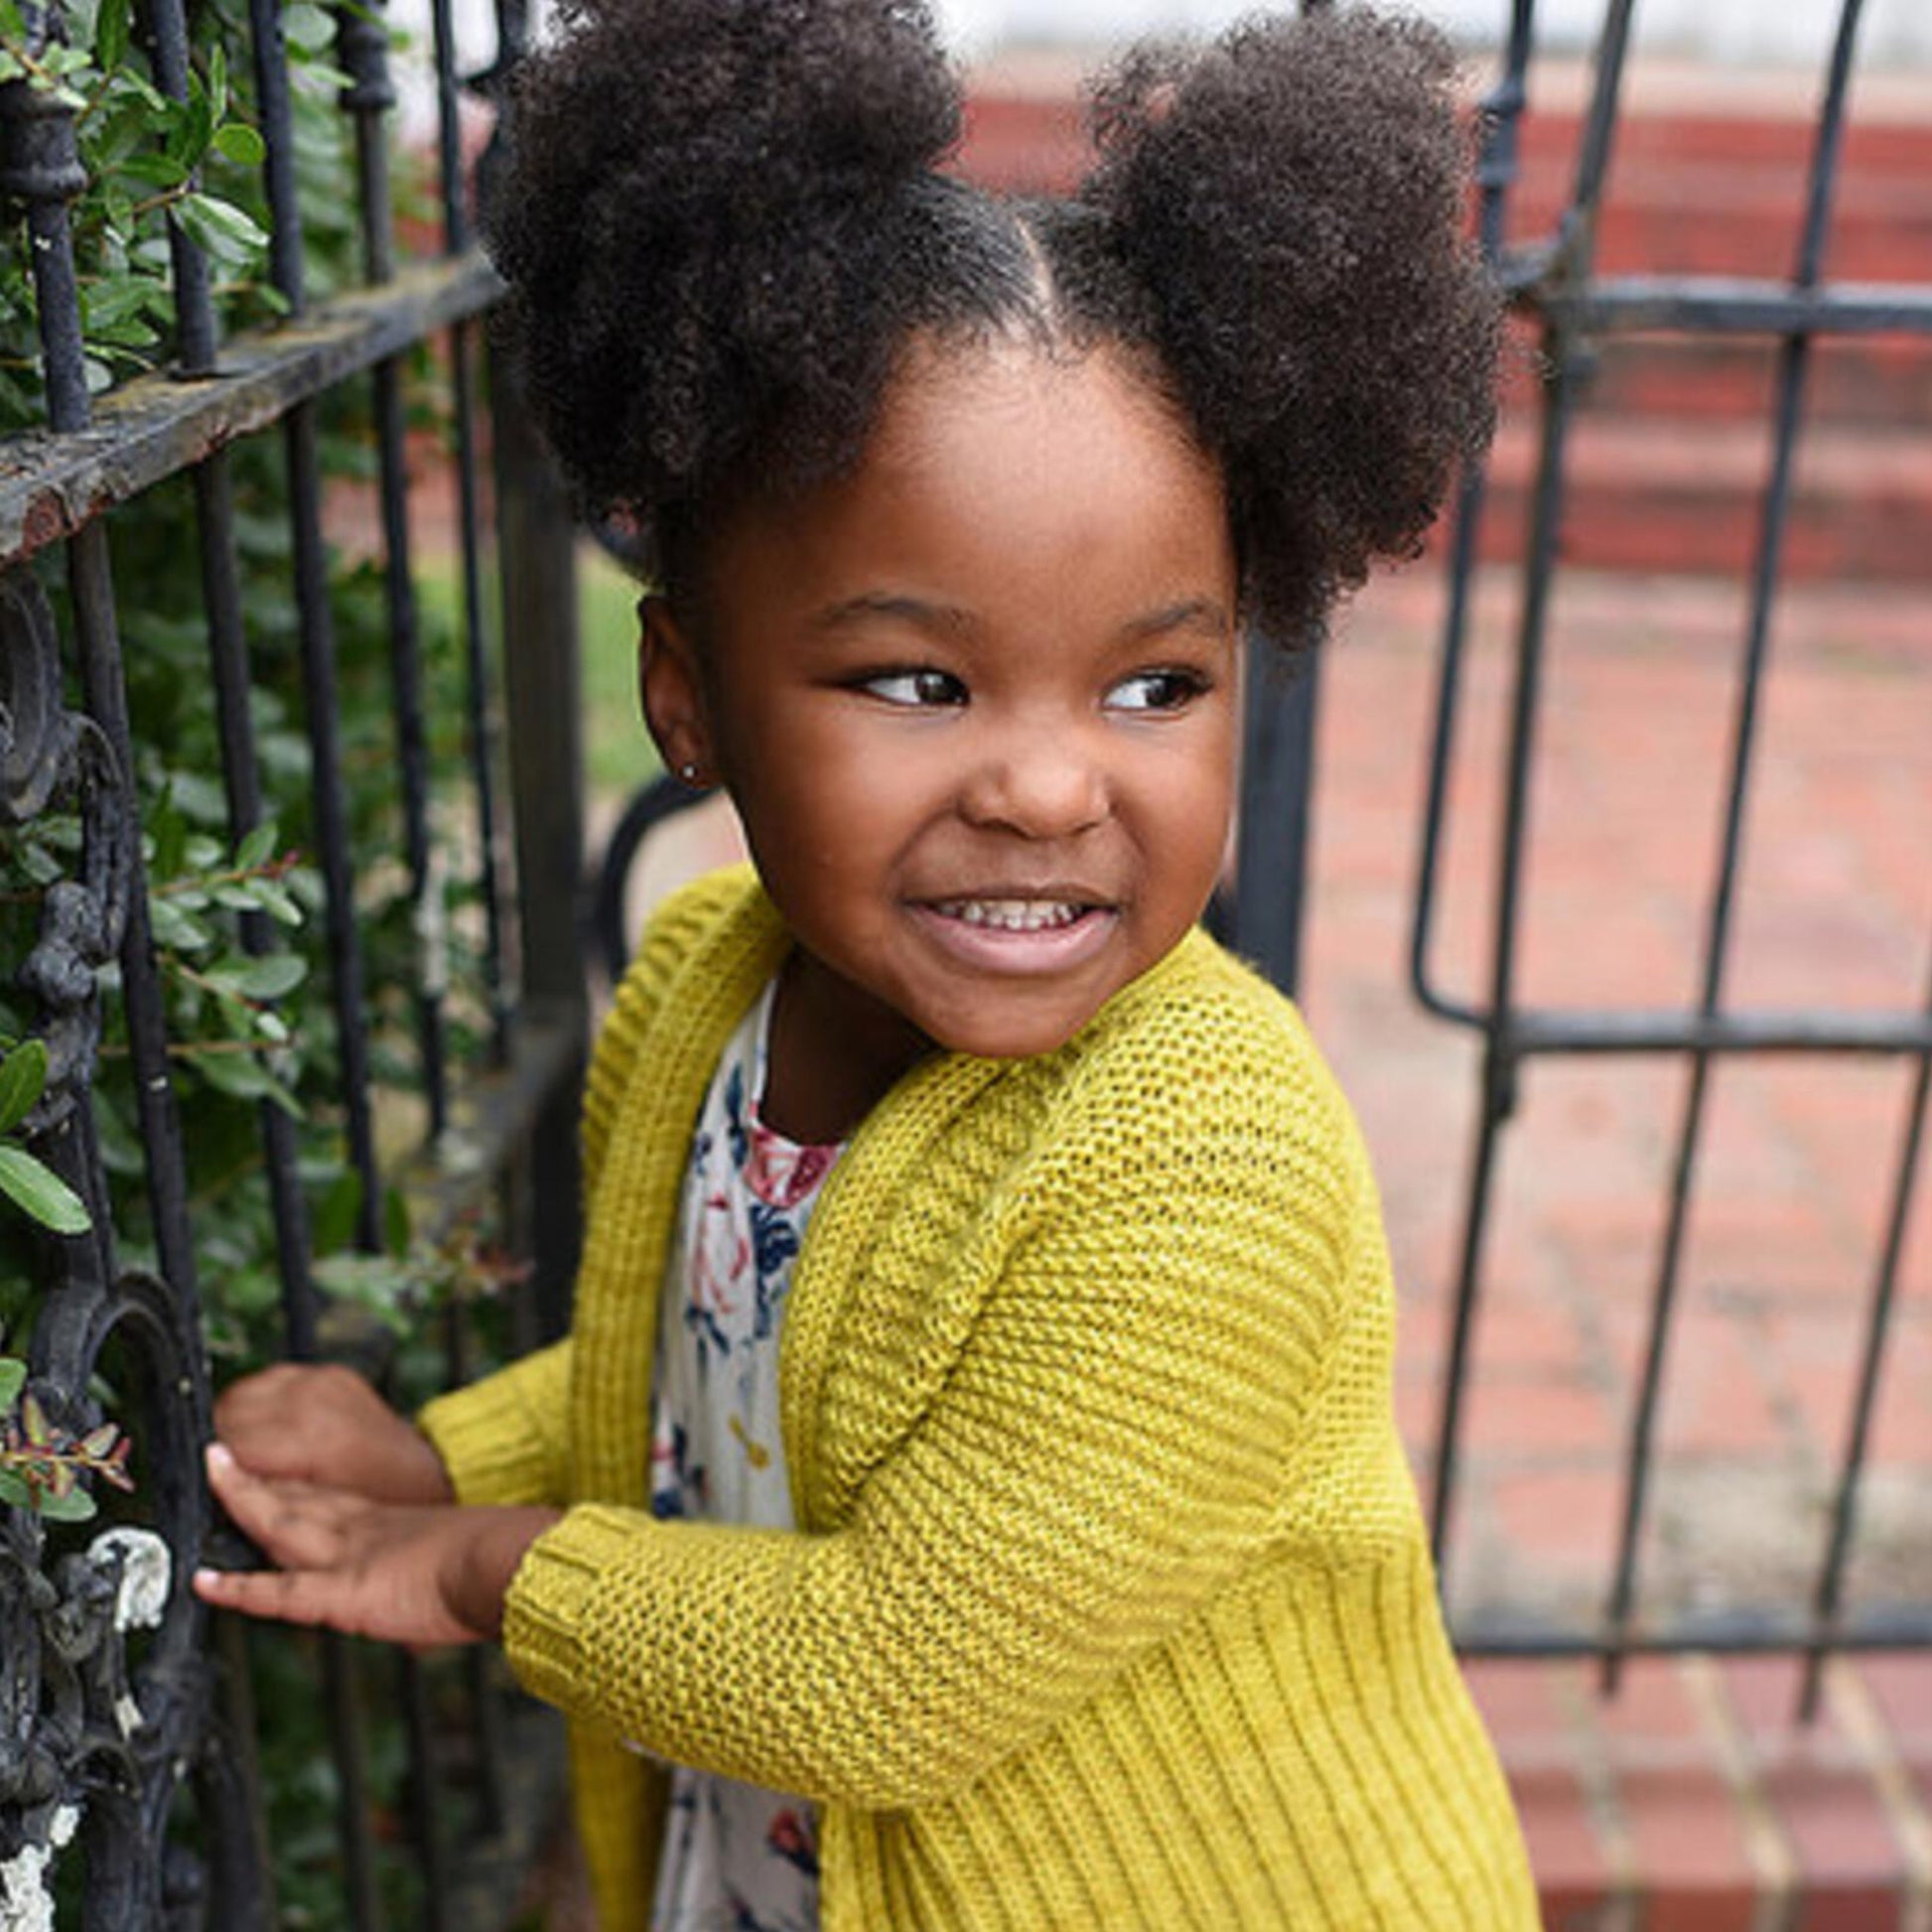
point(1663, 493)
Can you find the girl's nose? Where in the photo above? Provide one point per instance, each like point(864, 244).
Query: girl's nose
point(1043, 784)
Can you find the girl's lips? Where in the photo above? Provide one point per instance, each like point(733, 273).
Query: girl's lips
point(988, 933)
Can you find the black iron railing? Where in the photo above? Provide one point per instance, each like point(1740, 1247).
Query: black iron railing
point(100, 1736)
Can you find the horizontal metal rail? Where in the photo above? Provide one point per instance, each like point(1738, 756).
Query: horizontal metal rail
point(55, 484)
point(1527, 1031)
point(1722, 305)
point(1738, 1633)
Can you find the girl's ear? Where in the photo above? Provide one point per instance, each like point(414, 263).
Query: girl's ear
point(671, 692)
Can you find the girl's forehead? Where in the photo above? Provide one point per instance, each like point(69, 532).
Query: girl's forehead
point(998, 481)
point(946, 388)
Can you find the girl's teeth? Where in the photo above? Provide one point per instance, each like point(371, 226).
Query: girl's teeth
point(1011, 914)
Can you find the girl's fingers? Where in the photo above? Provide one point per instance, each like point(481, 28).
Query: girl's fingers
point(289, 1595)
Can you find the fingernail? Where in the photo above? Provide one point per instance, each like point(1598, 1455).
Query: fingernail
point(207, 1580)
point(220, 1456)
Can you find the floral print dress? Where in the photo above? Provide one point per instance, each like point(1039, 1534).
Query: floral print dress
point(735, 1857)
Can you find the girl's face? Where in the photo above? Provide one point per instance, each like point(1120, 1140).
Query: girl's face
point(975, 703)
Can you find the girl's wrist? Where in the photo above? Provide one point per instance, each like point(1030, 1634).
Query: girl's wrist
point(487, 1558)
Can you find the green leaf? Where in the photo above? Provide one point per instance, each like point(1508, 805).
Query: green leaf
point(39, 1192)
point(240, 143)
point(227, 233)
point(13, 1490)
point(335, 1215)
point(13, 1378)
point(77, 1507)
point(395, 1222)
point(23, 1078)
point(244, 1077)
point(239, 1074)
point(174, 928)
point(152, 171)
point(170, 831)
point(110, 34)
point(10, 68)
point(307, 28)
point(267, 977)
point(276, 902)
point(259, 847)
point(117, 299)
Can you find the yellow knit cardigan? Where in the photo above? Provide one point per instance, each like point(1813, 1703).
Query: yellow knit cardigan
point(1110, 1604)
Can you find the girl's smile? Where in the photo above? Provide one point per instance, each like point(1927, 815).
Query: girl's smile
point(975, 703)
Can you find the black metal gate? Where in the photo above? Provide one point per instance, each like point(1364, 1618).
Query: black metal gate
point(1575, 310)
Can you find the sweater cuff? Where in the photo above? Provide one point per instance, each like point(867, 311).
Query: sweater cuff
point(547, 1607)
point(477, 1442)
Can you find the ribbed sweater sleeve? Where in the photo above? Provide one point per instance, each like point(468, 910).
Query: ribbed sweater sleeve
point(506, 1438)
point(1114, 1443)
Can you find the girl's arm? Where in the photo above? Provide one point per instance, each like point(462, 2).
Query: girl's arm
point(506, 1438)
point(499, 1441)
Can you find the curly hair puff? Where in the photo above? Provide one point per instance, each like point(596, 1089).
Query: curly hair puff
point(723, 220)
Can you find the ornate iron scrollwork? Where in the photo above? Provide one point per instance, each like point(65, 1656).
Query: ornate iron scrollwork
point(50, 757)
point(92, 1739)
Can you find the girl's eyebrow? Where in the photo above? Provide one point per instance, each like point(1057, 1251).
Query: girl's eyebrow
point(941, 617)
point(1203, 613)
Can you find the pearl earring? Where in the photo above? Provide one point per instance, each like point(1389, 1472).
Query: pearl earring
point(688, 772)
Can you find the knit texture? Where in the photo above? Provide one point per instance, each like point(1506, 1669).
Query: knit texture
point(1110, 1602)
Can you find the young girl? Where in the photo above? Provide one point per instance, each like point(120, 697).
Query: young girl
point(981, 1251)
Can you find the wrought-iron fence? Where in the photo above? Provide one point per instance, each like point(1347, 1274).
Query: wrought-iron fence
point(117, 1737)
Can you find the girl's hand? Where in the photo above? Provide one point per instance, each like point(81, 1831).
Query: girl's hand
point(421, 1575)
point(324, 1425)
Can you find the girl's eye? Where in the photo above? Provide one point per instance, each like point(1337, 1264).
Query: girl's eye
point(1156, 691)
point(915, 688)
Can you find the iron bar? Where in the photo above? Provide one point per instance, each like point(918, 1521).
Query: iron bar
point(463, 387)
point(151, 428)
point(1774, 518)
point(1499, 1066)
point(342, 1688)
point(363, 40)
point(194, 327)
point(1531, 1031)
point(1559, 400)
point(538, 564)
point(1742, 1633)
point(1827, 1593)
point(1277, 781)
point(1496, 170)
point(1732, 306)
